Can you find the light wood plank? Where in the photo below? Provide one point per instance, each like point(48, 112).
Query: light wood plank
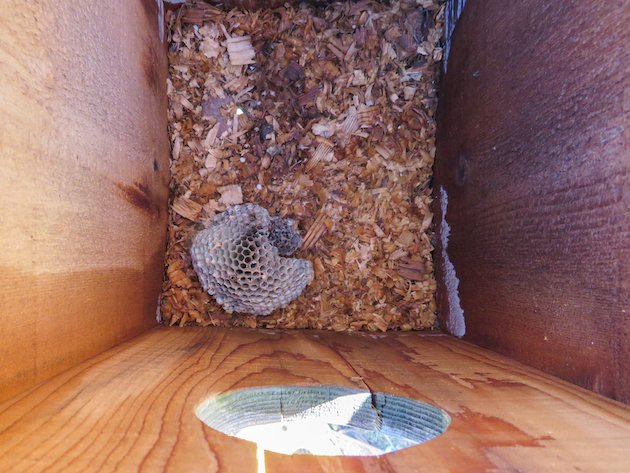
point(132, 408)
point(83, 181)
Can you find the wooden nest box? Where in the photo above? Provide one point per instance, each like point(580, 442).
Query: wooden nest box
point(531, 188)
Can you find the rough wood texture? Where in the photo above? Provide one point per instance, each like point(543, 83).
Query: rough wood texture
point(83, 181)
point(132, 408)
point(533, 154)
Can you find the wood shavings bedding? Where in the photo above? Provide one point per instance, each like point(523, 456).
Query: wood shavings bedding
point(323, 115)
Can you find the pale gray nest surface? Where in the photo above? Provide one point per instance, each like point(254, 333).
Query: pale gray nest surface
point(240, 260)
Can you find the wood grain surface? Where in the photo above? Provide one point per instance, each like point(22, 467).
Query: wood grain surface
point(83, 181)
point(533, 155)
point(132, 408)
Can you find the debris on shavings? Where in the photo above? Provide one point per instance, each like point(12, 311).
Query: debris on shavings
point(322, 115)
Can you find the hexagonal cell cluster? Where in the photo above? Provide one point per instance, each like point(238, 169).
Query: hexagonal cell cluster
point(284, 235)
point(238, 260)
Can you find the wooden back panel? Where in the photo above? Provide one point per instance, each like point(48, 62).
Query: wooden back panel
point(83, 181)
point(533, 156)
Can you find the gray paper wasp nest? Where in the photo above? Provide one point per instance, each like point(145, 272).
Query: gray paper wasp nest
point(240, 260)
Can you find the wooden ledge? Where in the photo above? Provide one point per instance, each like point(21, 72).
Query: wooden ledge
point(133, 407)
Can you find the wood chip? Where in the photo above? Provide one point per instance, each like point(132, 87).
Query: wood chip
point(315, 231)
point(231, 195)
point(241, 51)
point(187, 208)
point(323, 152)
point(211, 161)
point(415, 270)
point(211, 137)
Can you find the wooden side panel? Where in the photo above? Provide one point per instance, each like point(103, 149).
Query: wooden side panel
point(533, 157)
point(83, 181)
point(133, 407)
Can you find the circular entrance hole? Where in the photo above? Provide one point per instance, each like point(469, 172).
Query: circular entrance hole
point(323, 420)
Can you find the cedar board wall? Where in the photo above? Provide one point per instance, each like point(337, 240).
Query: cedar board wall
point(533, 154)
point(83, 181)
